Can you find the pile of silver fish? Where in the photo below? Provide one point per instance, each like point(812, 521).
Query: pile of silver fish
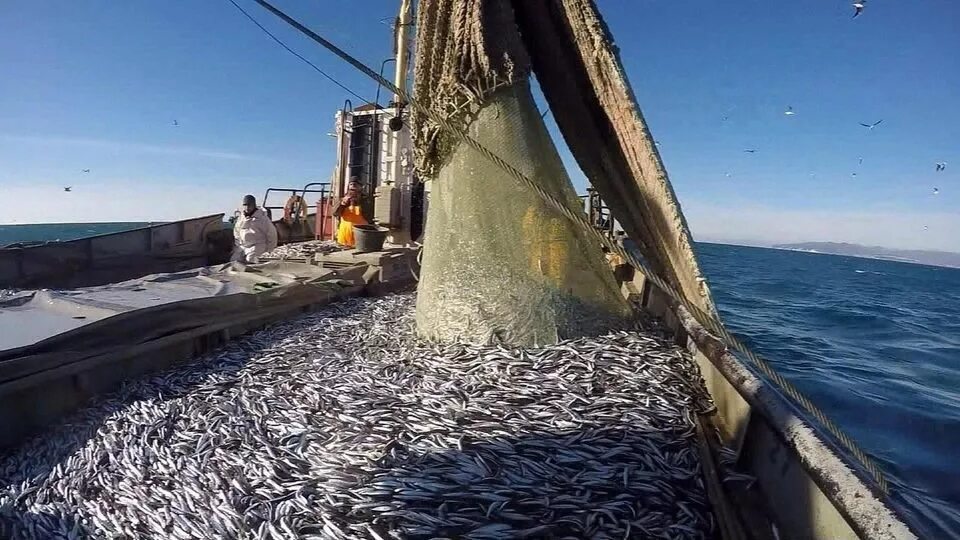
point(302, 250)
point(341, 424)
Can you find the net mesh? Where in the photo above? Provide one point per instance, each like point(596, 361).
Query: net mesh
point(494, 254)
point(576, 62)
point(498, 264)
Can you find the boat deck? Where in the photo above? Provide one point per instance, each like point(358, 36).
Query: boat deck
point(340, 424)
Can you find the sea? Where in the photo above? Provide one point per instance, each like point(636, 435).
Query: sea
point(875, 344)
point(48, 232)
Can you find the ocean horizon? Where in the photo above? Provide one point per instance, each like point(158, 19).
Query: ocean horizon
point(62, 232)
point(12, 233)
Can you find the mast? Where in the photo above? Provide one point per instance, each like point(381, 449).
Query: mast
point(402, 36)
point(399, 178)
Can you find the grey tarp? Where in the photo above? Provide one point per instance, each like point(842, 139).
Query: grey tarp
point(468, 51)
point(134, 312)
point(42, 381)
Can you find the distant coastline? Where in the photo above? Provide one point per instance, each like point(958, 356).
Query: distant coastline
point(915, 256)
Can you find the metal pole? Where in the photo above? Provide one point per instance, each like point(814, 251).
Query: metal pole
point(376, 100)
point(404, 22)
point(402, 38)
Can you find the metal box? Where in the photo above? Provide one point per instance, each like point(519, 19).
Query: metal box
point(386, 206)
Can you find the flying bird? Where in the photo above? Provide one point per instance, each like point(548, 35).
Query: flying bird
point(68, 189)
point(85, 170)
point(750, 151)
point(728, 175)
point(873, 125)
point(936, 191)
point(789, 111)
point(175, 123)
point(926, 228)
point(726, 113)
point(853, 175)
point(860, 161)
point(858, 6)
point(941, 166)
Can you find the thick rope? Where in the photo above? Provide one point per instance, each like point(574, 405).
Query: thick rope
point(577, 217)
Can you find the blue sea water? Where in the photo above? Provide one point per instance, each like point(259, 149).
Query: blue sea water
point(875, 344)
point(45, 232)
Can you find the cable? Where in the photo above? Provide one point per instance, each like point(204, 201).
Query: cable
point(295, 53)
point(579, 219)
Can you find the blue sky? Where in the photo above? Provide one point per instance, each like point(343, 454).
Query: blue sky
point(97, 84)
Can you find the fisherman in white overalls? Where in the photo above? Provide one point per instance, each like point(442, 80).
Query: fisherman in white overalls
point(253, 233)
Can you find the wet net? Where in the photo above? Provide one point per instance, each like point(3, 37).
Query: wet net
point(498, 262)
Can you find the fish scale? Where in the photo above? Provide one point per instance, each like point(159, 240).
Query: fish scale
point(343, 424)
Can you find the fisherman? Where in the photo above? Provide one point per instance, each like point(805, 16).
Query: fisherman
point(254, 234)
point(348, 211)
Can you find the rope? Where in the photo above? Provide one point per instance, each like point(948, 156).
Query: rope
point(298, 55)
point(704, 318)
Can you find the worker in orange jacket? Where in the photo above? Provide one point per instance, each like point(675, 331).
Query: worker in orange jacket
point(348, 211)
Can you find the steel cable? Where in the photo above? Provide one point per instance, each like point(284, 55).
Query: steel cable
point(578, 218)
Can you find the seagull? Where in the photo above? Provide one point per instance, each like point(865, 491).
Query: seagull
point(941, 166)
point(859, 5)
point(853, 175)
point(936, 191)
point(726, 113)
point(68, 189)
point(789, 111)
point(873, 125)
point(657, 143)
point(860, 161)
point(85, 170)
point(926, 228)
point(175, 123)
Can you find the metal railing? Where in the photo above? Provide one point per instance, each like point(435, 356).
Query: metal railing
point(598, 213)
point(324, 192)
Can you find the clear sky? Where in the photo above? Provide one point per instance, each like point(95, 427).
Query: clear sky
point(97, 84)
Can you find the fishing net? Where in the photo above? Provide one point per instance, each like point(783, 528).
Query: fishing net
point(580, 73)
point(498, 262)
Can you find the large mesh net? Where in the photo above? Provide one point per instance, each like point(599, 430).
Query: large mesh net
point(499, 265)
point(498, 262)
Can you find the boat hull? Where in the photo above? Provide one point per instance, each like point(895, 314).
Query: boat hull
point(109, 258)
point(803, 485)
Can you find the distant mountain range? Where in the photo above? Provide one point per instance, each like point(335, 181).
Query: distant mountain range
point(935, 258)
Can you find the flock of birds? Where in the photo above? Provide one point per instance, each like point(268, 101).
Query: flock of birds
point(939, 166)
point(858, 5)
